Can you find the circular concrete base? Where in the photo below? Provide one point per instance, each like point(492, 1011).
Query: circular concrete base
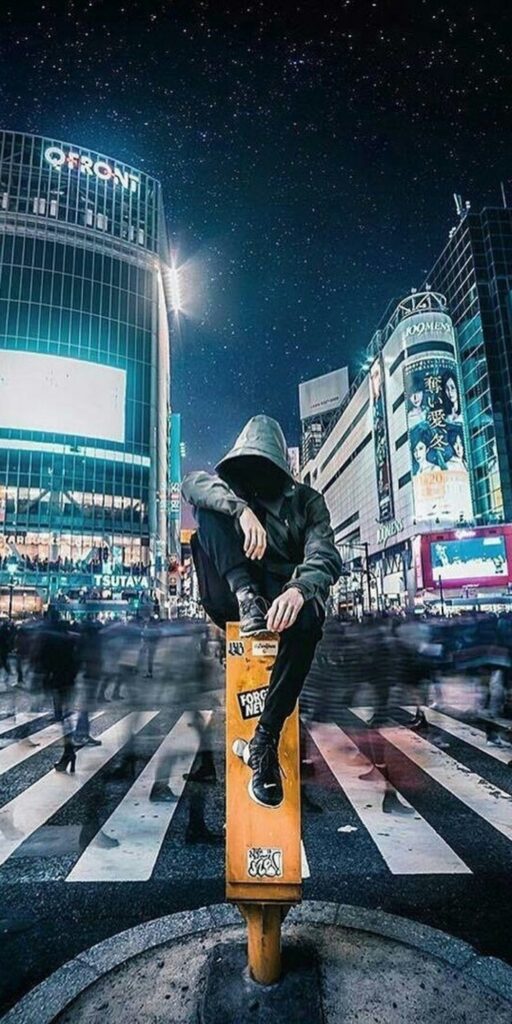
point(374, 967)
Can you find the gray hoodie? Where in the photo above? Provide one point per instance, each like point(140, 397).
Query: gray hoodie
point(297, 522)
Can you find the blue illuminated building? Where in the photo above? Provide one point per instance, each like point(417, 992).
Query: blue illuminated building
point(84, 374)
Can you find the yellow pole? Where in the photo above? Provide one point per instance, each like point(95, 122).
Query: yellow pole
point(263, 941)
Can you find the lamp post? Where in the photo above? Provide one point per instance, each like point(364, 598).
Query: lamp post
point(441, 593)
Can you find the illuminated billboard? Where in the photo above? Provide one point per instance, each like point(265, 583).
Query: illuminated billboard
point(323, 394)
point(455, 559)
point(59, 395)
point(470, 559)
point(437, 439)
point(381, 441)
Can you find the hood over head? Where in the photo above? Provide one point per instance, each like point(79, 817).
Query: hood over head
point(261, 438)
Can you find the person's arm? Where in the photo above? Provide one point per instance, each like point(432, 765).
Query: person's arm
point(207, 490)
point(322, 565)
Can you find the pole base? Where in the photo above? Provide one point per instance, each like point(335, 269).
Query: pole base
point(230, 996)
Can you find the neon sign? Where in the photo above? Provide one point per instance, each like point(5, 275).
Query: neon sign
point(100, 169)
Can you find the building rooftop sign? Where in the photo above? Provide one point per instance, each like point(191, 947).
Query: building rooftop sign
point(91, 166)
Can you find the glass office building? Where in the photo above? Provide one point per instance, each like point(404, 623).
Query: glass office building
point(84, 370)
point(474, 272)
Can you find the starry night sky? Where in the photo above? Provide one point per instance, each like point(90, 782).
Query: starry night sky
point(308, 154)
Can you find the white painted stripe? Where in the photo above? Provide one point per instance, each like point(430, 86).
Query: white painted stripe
point(21, 718)
point(409, 845)
point(306, 873)
point(481, 796)
point(139, 825)
point(35, 805)
point(469, 733)
point(19, 750)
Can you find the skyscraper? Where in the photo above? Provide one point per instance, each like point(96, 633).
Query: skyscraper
point(84, 368)
point(474, 272)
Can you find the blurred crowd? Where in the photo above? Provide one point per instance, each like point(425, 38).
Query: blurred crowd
point(397, 670)
point(400, 671)
point(71, 671)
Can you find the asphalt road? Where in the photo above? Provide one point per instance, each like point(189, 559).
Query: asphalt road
point(449, 864)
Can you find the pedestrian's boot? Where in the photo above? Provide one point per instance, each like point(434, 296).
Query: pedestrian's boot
point(68, 760)
point(205, 770)
point(392, 805)
point(252, 609)
point(419, 722)
point(265, 786)
point(161, 793)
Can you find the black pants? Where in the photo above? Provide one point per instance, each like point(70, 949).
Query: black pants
point(221, 539)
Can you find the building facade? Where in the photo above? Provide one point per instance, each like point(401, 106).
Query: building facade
point(84, 373)
point(395, 467)
point(474, 272)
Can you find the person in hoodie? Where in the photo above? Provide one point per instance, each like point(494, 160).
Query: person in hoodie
point(265, 555)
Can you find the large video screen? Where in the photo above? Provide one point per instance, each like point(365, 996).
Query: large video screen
point(470, 558)
point(59, 395)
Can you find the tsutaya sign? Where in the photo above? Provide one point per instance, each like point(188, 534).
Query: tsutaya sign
point(58, 158)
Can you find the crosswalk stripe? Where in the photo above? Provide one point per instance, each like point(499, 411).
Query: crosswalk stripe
point(408, 844)
point(34, 806)
point(485, 799)
point(138, 825)
point(305, 870)
point(469, 733)
point(20, 750)
point(21, 718)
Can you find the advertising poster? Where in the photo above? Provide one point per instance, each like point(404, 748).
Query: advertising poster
point(437, 439)
point(381, 441)
point(470, 559)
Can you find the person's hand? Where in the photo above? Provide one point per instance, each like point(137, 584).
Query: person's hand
point(284, 610)
point(255, 537)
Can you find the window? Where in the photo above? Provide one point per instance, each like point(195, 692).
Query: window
point(403, 480)
point(400, 441)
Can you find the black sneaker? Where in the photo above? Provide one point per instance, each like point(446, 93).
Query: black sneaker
point(252, 612)
point(260, 754)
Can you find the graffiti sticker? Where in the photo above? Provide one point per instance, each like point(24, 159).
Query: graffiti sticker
point(252, 702)
point(236, 648)
point(264, 862)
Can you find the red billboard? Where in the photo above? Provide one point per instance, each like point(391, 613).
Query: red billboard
point(467, 557)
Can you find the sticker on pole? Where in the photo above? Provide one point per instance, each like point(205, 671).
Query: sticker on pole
point(236, 648)
point(264, 862)
point(265, 648)
point(252, 702)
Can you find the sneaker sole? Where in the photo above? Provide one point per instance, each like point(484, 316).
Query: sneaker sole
point(244, 633)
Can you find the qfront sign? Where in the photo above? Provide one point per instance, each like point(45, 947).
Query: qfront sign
point(84, 164)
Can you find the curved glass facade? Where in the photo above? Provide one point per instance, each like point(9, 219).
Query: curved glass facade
point(84, 361)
